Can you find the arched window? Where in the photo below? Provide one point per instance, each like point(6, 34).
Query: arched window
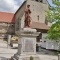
point(38, 17)
point(46, 21)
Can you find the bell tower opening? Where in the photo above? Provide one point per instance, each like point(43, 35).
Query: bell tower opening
point(42, 1)
point(39, 1)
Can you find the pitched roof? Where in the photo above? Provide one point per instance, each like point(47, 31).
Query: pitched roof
point(39, 25)
point(20, 7)
point(7, 17)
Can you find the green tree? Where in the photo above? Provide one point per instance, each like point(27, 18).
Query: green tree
point(53, 16)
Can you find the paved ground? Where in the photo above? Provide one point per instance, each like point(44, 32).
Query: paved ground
point(8, 52)
point(47, 52)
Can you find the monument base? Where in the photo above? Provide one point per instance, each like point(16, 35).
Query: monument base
point(27, 45)
point(25, 57)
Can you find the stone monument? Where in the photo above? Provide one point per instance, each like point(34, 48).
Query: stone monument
point(27, 40)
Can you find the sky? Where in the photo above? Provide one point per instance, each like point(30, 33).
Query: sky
point(12, 5)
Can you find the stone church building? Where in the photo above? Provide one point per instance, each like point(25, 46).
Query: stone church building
point(38, 16)
point(8, 20)
point(11, 23)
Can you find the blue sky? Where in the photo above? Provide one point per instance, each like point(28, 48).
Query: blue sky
point(12, 5)
point(50, 2)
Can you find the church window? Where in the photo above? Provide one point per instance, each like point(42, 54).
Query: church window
point(46, 21)
point(38, 17)
point(37, 0)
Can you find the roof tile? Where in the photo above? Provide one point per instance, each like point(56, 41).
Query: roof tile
point(7, 17)
point(39, 25)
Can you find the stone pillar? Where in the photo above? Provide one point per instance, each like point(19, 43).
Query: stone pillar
point(9, 39)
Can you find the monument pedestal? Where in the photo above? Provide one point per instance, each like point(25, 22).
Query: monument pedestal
point(26, 45)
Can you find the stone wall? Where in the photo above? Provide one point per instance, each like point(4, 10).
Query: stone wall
point(19, 16)
point(6, 29)
point(38, 9)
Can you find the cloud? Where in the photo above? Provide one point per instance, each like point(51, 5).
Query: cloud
point(21, 0)
point(10, 5)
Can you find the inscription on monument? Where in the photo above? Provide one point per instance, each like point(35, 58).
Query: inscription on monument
point(29, 46)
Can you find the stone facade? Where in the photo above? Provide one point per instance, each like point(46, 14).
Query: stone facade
point(6, 29)
point(38, 11)
point(18, 16)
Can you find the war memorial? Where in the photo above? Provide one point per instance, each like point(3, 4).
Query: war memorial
point(27, 39)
